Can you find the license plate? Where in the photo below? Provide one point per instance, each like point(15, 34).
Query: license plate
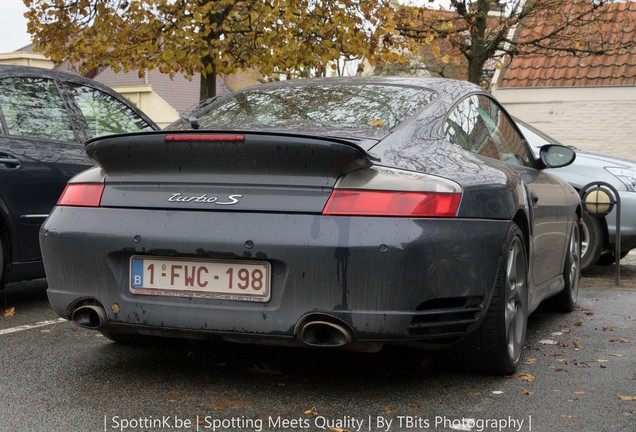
point(221, 279)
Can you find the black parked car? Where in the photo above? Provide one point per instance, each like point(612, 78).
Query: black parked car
point(45, 118)
point(323, 213)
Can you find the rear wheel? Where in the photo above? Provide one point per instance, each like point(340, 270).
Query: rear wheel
point(591, 240)
point(565, 301)
point(498, 344)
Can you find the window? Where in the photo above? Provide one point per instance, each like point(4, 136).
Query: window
point(33, 107)
point(105, 114)
point(372, 107)
point(479, 125)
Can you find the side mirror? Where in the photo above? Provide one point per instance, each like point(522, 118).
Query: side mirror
point(556, 156)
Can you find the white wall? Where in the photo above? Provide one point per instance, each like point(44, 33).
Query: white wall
point(598, 119)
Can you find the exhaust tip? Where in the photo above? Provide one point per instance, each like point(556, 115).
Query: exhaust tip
point(325, 334)
point(90, 316)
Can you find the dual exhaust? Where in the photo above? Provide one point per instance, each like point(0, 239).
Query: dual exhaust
point(324, 331)
point(318, 331)
point(90, 316)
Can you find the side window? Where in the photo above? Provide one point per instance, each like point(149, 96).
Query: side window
point(466, 128)
point(105, 114)
point(33, 107)
point(479, 125)
point(509, 143)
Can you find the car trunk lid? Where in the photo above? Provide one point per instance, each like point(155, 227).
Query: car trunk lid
point(204, 170)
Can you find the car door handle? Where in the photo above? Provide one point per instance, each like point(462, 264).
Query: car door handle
point(9, 161)
point(535, 199)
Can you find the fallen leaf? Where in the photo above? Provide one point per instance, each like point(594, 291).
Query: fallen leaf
point(263, 369)
point(79, 334)
point(389, 411)
point(557, 334)
point(567, 330)
point(578, 345)
point(531, 360)
point(632, 412)
point(45, 331)
point(9, 312)
point(578, 323)
point(527, 377)
point(617, 355)
point(620, 340)
point(337, 429)
point(560, 370)
point(415, 405)
point(548, 342)
point(579, 392)
point(474, 394)
point(527, 392)
point(567, 417)
point(601, 361)
point(175, 395)
point(608, 329)
point(589, 313)
point(311, 412)
point(627, 398)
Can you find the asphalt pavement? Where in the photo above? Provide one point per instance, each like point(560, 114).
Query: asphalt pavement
point(579, 374)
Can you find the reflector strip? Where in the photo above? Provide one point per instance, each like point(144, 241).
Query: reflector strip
point(203, 137)
point(82, 195)
point(388, 203)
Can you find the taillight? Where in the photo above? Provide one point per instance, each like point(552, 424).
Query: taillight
point(82, 195)
point(392, 203)
point(383, 191)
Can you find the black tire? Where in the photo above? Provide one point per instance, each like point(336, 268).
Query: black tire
point(497, 346)
point(565, 301)
point(591, 240)
point(610, 258)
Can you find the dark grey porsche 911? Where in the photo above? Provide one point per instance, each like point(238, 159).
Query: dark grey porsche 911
point(346, 213)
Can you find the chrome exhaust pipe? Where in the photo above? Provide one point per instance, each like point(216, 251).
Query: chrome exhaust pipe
point(90, 316)
point(323, 334)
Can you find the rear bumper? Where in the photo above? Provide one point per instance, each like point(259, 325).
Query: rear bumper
point(389, 280)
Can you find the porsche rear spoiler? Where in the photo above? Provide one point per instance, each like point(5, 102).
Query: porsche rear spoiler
point(199, 153)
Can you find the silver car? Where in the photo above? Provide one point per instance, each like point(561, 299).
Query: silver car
point(598, 234)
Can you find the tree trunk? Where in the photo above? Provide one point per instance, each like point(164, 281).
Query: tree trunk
point(208, 84)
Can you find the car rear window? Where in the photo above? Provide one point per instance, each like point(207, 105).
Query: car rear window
point(370, 106)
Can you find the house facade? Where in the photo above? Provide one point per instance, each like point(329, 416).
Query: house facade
point(588, 102)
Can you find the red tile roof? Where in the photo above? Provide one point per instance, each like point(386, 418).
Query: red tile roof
point(563, 69)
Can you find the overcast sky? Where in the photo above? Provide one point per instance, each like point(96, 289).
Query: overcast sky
point(13, 31)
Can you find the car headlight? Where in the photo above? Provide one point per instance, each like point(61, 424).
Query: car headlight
point(627, 176)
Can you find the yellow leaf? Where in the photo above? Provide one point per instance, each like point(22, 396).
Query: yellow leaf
point(627, 398)
point(578, 323)
point(578, 345)
point(601, 361)
point(527, 377)
point(531, 360)
point(311, 412)
point(9, 312)
point(579, 392)
point(337, 429)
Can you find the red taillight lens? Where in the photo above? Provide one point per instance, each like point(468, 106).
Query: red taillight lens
point(385, 203)
point(82, 195)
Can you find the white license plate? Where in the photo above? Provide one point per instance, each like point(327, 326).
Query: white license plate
point(222, 279)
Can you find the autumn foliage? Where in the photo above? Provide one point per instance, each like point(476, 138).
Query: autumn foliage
point(276, 36)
